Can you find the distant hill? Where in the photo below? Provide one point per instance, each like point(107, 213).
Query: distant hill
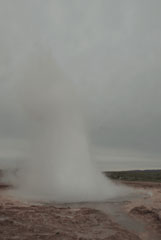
point(136, 175)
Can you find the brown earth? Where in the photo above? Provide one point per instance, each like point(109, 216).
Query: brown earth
point(89, 221)
point(148, 208)
point(24, 221)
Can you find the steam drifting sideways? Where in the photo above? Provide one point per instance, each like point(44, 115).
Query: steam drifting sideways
point(58, 166)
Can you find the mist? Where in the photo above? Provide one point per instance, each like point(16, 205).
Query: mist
point(57, 165)
point(107, 89)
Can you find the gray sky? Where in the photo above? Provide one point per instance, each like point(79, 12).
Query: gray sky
point(111, 49)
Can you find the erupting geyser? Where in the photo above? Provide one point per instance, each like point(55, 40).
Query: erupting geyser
point(58, 166)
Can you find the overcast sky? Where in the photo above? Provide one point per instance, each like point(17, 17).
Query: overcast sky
point(111, 49)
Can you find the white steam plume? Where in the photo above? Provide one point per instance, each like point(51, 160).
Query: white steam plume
point(58, 165)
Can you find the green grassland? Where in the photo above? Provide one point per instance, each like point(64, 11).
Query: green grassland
point(137, 175)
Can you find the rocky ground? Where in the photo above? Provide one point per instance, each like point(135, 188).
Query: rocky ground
point(148, 208)
point(89, 221)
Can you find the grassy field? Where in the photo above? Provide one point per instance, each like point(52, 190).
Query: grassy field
point(137, 175)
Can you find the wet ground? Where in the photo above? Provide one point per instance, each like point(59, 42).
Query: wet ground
point(147, 209)
point(133, 217)
point(115, 209)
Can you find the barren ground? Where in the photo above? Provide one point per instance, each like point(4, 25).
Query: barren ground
point(126, 219)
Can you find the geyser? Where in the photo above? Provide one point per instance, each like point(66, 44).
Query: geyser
point(58, 165)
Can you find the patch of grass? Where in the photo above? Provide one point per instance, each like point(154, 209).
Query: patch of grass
point(137, 175)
